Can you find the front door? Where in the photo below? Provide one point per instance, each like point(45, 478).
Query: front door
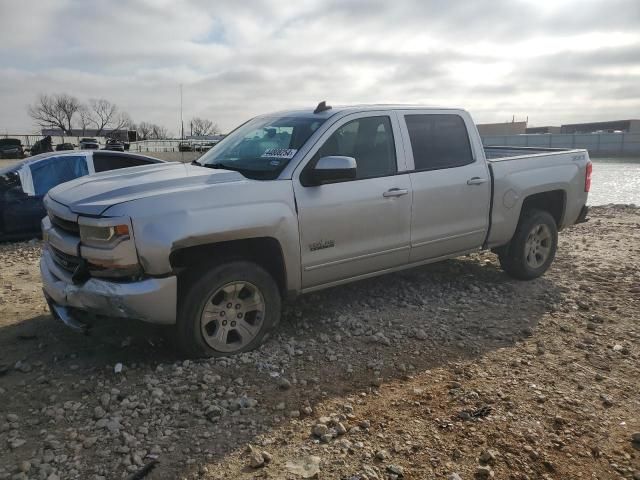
point(353, 228)
point(22, 213)
point(450, 182)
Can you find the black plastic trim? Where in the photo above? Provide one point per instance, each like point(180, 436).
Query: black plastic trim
point(582, 218)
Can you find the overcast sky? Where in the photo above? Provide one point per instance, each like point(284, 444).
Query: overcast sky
point(555, 61)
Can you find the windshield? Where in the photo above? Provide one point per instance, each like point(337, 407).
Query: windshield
point(262, 147)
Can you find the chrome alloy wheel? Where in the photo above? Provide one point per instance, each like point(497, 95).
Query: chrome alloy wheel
point(538, 246)
point(232, 316)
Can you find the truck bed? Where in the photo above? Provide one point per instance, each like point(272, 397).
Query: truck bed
point(519, 173)
point(501, 153)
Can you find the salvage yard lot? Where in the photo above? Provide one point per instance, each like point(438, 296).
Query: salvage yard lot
point(449, 368)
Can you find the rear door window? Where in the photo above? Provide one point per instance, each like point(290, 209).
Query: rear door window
point(53, 171)
point(438, 141)
point(103, 163)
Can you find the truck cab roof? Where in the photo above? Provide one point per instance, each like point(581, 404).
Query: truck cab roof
point(348, 109)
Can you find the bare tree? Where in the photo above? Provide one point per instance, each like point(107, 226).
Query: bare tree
point(158, 132)
point(46, 113)
point(203, 126)
point(69, 106)
point(144, 130)
point(119, 121)
point(129, 125)
point(103, 114)
point(132, 126)
point(85, 119)
point(127, 121)
point(55, 111)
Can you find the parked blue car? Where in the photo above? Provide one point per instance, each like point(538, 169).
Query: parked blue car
point(24, 184)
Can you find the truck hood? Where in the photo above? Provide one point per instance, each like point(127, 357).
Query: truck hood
point(93, 194)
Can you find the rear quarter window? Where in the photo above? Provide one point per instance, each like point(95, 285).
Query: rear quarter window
point(438, 141)
point(104, 163)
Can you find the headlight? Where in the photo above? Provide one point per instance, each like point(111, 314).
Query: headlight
point(108, 247)
point(92, 234)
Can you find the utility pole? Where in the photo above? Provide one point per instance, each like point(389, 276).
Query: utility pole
point(181, 120)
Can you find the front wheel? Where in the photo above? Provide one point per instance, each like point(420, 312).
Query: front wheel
point(228, 309)
point(533, 246)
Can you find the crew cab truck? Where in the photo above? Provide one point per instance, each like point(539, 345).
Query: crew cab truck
point(294, 202)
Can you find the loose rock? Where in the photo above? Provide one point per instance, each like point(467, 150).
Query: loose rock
point(488, 457)
point(396, 470)
point(305, 467)
point(483, 473)
point(320, 429)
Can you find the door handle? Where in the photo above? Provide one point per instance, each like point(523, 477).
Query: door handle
point(476, 181)
point(395, 192)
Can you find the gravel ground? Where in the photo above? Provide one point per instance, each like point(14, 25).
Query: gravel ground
point(450, 371)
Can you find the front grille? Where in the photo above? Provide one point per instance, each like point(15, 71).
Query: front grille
point(65, 225)
point(64, 260)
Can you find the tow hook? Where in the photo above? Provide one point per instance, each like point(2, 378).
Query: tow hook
point(81, 273)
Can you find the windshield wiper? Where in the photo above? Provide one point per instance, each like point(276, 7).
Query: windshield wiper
point(217, 166)
point(224, 166)
point(245, 172)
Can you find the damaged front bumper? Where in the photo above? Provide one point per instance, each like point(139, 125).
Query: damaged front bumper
point(152, 300)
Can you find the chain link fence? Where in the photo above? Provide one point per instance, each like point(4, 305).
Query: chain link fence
point(171, 145)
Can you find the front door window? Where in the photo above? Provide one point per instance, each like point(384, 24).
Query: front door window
point(369, 140)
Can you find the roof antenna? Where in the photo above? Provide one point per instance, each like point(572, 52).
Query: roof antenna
point(322, 107)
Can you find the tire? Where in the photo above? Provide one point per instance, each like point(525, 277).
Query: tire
point(533, 246)
point(242, 303)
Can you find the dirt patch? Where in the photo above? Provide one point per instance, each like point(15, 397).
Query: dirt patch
point(448, 369)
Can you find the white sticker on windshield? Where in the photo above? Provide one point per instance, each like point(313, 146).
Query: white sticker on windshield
point(287, 153)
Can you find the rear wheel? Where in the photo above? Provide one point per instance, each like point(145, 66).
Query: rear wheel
point(533, 246)
point(228, 309)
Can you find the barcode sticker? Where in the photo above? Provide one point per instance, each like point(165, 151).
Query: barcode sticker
point(287, 153)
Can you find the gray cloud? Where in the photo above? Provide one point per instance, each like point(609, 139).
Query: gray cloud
point(553, 60)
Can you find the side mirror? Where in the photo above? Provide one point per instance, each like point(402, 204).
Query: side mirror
point(333, 169)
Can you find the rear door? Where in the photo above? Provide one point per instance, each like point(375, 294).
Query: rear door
point(356, 227)
point(450, 182)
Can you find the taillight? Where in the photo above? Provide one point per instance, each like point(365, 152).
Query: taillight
point(587, 177)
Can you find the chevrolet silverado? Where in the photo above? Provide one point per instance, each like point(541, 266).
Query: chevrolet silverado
point(294, 202)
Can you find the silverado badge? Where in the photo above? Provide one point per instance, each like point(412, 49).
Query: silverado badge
point(320, 244)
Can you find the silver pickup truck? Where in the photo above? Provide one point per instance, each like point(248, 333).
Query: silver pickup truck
point(294, 202)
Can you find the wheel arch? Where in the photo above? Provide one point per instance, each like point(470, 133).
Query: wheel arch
point(264, 251)
point(552, 201)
